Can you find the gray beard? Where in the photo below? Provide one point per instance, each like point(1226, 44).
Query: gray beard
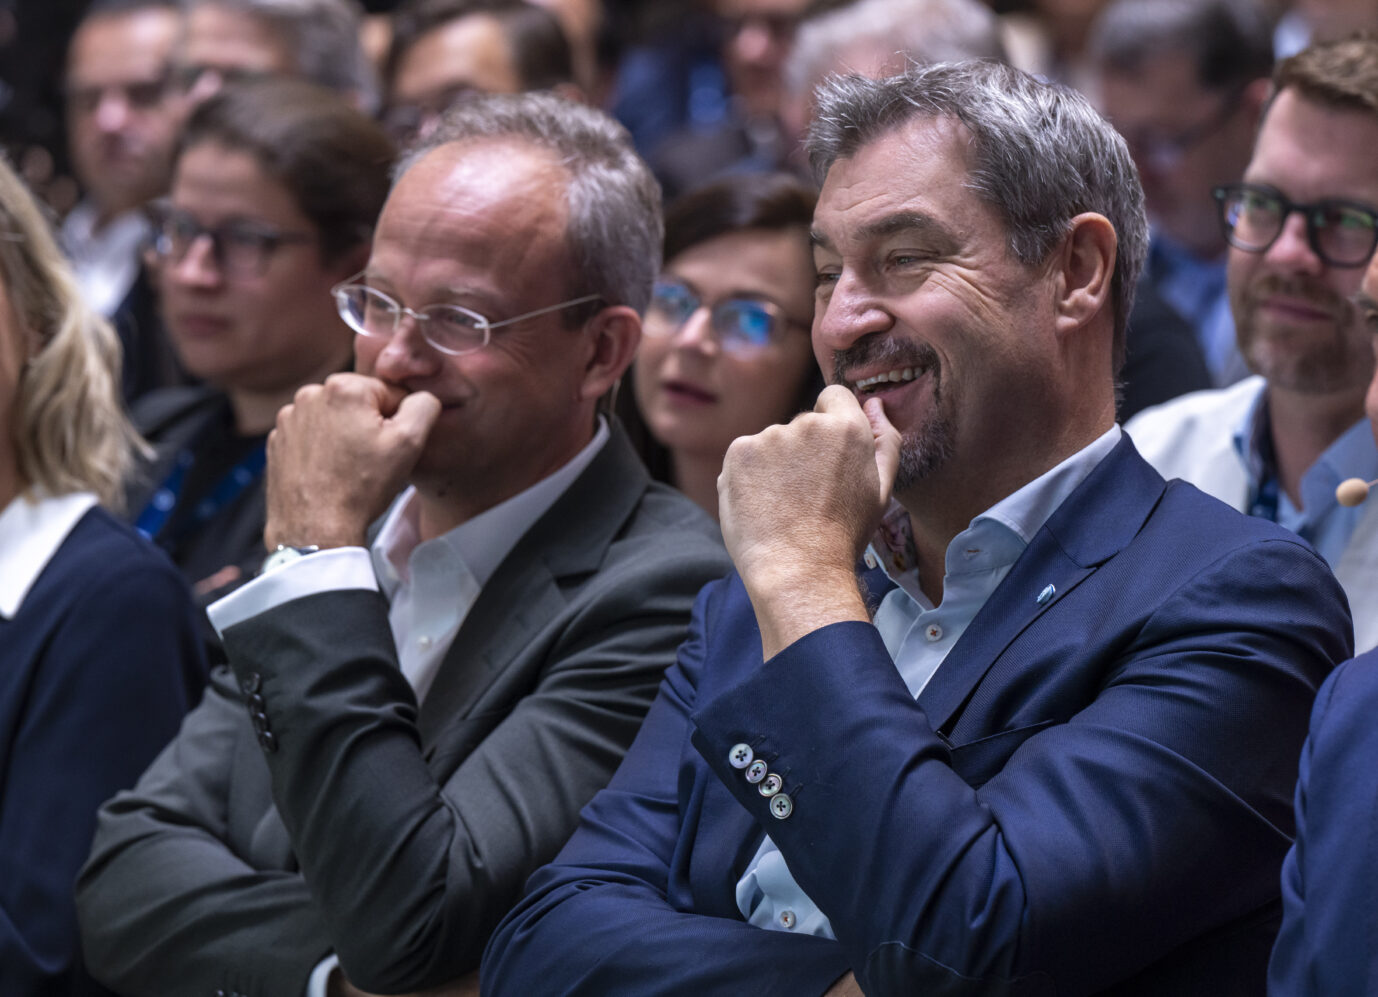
point(923, 450)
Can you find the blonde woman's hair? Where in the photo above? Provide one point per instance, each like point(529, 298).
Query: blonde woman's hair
point(71, 432)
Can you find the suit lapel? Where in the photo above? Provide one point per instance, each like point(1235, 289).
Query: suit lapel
point(524, 593)
point(1093, 524)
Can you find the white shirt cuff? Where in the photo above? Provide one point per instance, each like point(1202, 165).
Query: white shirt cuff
point(320, 976)
point(333, 570)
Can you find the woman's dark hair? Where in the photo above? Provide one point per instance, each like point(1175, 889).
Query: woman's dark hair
point(765, 202)
point(331, 157)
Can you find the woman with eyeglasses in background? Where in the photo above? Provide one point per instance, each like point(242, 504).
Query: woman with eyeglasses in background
point(99, 655)
point(275, 189)
point(725, 348)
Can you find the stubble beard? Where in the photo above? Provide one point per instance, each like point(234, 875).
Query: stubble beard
point(925, 449)
point(1328, 365)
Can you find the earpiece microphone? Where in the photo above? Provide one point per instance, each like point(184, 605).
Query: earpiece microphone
point(1353, 491)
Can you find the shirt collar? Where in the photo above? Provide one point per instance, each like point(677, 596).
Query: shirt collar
point(1351, 455)
point(480, 543)
point(1022, 512)
point(32, 528)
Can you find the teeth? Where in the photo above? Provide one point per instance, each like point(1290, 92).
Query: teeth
point(890, 376)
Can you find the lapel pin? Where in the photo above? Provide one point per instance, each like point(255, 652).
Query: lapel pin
point(1048, 592)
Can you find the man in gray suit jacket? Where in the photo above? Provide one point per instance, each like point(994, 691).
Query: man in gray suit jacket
point(408, 729)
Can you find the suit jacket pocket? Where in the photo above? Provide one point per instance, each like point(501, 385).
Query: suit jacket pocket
point(978, 760)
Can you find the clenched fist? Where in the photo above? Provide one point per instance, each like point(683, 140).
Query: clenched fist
point(338, 455)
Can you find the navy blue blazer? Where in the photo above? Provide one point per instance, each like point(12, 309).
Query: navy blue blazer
point(96, 671)
point(1092, 794)
point(1330, 878)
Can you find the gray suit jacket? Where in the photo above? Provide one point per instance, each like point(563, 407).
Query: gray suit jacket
point(394, 836)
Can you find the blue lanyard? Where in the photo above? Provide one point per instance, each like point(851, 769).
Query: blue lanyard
point(1264, 503)
point(156, 514)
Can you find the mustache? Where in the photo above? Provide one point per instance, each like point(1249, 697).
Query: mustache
point(882, 353)
point(1304, 289)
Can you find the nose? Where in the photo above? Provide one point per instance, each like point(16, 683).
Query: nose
point(848, 313)
point(197, 267)
point(112, 111)
point(405, 355)
point(1292, 248)
point(753, 43)
point(206, 85)
point(697, 333)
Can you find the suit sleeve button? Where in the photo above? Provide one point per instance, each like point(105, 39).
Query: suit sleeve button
point(756, 771)
point(781, 806)
point(252, 683)
point(267, 741)
point(740, 756)
point(770, 785)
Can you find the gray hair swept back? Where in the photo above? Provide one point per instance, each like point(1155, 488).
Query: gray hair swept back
point(615, 226)
point(1039, 154)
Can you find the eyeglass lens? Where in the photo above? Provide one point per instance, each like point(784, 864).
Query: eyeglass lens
point(237, 247)
point(1342, 233)
point(449, 328)
point(738, 323)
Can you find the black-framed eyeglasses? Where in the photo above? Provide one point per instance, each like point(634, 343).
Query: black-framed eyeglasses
point(1342, 233)
point(451, 329)
point(738, 324)
point(1164, 152)
point(240, 248)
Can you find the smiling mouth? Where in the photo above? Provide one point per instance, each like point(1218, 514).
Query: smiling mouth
point(883, 380)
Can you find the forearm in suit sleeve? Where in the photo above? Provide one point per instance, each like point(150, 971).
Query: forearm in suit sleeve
point(1169, 787)
point(411, 873)
point(598, 922)
point(168, 906)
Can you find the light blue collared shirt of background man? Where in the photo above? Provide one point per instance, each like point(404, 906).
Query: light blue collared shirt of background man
point(1321, 521)
point(919, 636)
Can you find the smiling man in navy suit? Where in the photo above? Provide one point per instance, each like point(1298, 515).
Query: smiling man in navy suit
point(1053, 751)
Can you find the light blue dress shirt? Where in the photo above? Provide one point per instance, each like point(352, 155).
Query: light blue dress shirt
point(919, 636)
point(1321, 521)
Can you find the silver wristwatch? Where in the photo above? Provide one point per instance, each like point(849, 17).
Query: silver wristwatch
point(284, 555)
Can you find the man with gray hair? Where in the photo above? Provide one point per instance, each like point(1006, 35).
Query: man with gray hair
point(316, 40)
point(413, 717)
point(1044, 755)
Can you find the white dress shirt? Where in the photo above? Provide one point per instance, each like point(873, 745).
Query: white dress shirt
point(32, 528)
point(919, 636)
point(430, 585)
point(106, 263)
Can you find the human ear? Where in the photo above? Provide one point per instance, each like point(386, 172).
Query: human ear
point(612, 337)
point(1086, 265)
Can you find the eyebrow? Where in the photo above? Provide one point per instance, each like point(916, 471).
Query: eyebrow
point(890, 225)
